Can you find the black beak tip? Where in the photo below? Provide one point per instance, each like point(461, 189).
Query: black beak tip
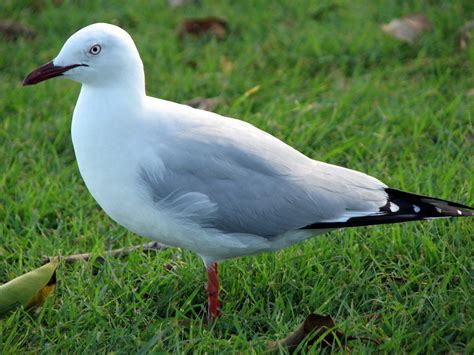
point(39, 74)
point(27, 81)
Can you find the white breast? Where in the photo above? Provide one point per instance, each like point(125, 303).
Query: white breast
point(104, 142)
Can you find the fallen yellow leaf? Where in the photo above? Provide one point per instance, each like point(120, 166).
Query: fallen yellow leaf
point(29, 290)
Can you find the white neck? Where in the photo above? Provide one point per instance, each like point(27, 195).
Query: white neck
point(112, 97)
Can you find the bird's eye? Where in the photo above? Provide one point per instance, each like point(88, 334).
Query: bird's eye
point(95, 49)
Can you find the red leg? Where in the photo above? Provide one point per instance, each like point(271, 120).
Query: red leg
point(212, 293)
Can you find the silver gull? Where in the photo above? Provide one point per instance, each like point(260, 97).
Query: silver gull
point(197, 180)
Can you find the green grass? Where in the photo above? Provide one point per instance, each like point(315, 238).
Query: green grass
point(337, 89)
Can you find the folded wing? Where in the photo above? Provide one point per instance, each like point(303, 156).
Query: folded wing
point(242, 180)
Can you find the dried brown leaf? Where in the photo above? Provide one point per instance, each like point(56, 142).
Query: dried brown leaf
point(215, 26)
point(466, 34)
point(409, 28)
point(11, 30)
point(312, 329)
point(203, 103)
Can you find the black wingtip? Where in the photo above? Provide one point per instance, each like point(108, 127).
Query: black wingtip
point(429, 207)
point(403, 207)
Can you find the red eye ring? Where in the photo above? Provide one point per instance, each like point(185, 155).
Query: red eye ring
point(95, 49)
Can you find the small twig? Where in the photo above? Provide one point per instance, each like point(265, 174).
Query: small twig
point(117, 253)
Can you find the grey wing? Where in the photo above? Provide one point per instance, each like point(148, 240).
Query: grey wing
point(238, 179)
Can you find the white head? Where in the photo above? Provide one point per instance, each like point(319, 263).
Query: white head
point(99, 55)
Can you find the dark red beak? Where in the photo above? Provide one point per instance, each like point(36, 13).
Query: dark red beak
point(47, 71)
